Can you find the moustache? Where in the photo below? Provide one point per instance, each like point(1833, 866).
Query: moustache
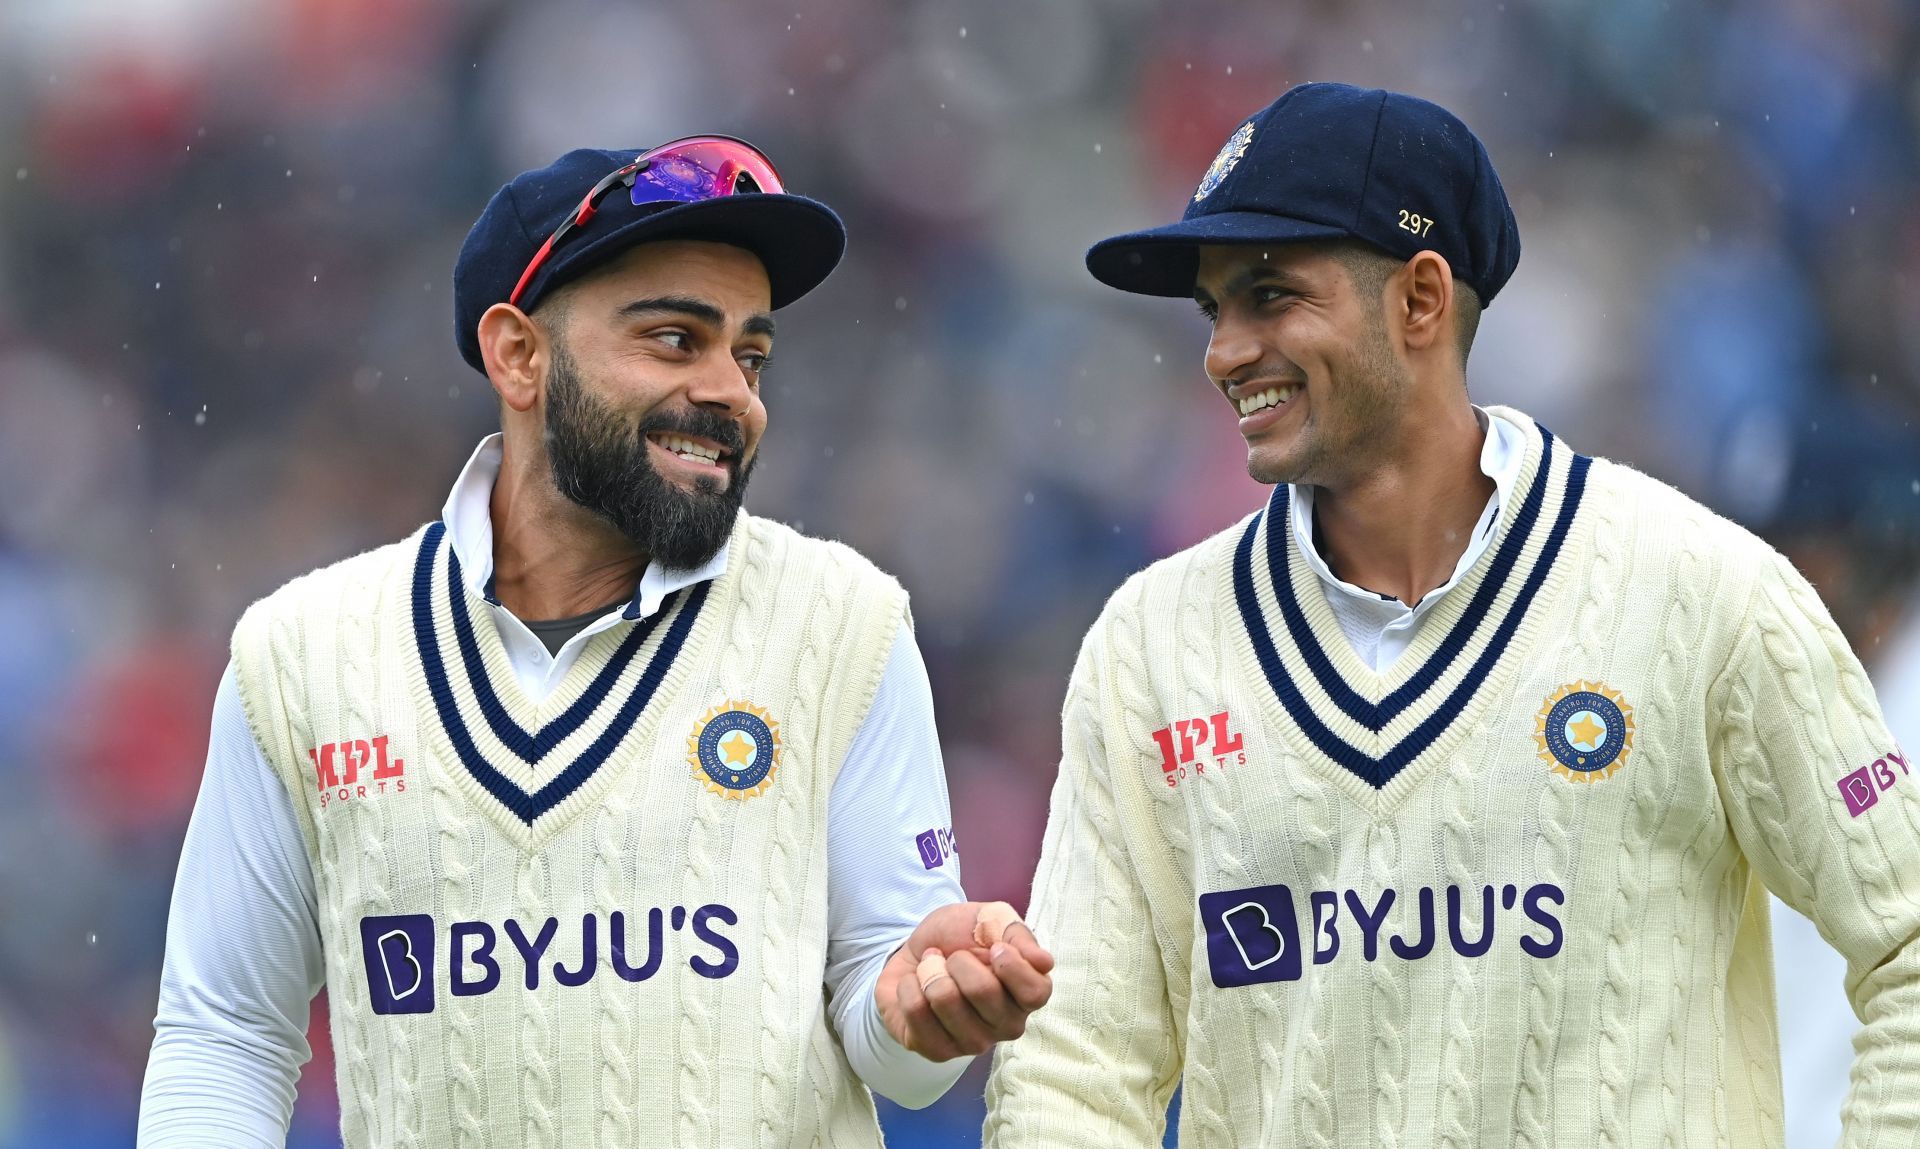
point(698, 423)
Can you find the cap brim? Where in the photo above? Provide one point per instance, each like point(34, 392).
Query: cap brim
point(1165, 260)
point(798, 240)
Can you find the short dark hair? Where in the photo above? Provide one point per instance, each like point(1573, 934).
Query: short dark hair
point(1368, 267)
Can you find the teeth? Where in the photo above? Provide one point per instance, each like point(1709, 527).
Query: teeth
point(688, 449)
point(1271, 397)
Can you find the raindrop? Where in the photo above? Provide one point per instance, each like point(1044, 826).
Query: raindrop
point(899, 303)
point(789, 91)
point(1029, 498)
point(289, 173)
point(93, 939)
point(200, 419)
point(1916, 486)
point(1366, 45)
point(20, 174)
point(1229, 69)
point(963, 32)
point(1156, 357)
point(453, 392)
point(827, 452)
point(218, 206)
point(156, 285)
point(1096, 149)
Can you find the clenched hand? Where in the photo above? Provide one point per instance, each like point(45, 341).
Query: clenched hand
point(967, 977)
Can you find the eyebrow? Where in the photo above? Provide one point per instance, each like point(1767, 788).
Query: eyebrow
point(1246, 278)
point(759, 323)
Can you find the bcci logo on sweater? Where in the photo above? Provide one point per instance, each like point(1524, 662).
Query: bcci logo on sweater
point(1585, 731)
point(735, 749)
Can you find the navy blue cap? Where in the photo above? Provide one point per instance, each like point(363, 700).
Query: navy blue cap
point(1332, 161)
point(798, 240)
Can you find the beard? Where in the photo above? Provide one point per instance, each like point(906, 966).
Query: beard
point(1362, 411)
point(602, 463)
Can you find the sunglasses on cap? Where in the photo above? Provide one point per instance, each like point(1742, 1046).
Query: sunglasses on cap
point(686, 170)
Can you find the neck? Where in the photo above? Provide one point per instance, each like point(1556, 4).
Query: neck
point(551, 557)
point(1401, 527)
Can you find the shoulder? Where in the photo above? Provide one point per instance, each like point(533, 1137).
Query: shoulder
point(1179, 577)
point(829, 565)
point(357, 585)
point(1184, 581)
point(1674, 538)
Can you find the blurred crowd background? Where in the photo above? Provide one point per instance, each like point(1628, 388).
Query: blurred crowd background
point(227, 229)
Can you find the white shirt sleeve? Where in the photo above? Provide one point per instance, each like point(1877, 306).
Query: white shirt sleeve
point(243, 957)
point(890, 862)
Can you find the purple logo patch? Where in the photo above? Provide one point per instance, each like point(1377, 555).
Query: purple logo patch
point(399, 955)
point(935, 847)
point(1861, 789)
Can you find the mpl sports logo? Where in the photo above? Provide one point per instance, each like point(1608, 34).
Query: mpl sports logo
point(399, 952)
point(338, 766)
point(1222, 745)
point(1254, 934)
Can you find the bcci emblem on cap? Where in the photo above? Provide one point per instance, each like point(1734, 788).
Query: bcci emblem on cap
point(1585, 731)
point(1230, 153)
point(735, 749)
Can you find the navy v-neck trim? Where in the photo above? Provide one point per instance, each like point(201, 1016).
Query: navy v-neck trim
point(1378, 771)
point(1375, 716)
point(532, 747)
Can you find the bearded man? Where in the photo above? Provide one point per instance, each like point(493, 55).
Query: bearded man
point(607, 814)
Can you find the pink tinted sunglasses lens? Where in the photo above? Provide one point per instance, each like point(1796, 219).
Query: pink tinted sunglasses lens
point(688, 171)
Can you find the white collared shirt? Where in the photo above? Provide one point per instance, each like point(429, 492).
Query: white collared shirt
point(230, 1035)
point(1381, 628)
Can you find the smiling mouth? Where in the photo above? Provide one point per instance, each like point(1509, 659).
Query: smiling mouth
point(1271, 397)
point(689, 448)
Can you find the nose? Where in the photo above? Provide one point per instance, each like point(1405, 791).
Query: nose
point(722, 388)
point(1232, 349)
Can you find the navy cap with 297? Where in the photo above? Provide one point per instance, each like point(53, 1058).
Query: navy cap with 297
point(798, 240)
point(1332, 161)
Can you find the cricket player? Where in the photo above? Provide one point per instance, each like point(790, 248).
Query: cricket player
point(1432, 804)
point(608, 815)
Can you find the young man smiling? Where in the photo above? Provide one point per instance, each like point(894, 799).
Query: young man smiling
point(1433, 803)
point(599, 807)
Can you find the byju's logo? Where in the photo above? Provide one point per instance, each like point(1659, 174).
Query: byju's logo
point(1861, 789)
point(1253, 936)
point(935, 847)
point(398, 951)
point(399, 956)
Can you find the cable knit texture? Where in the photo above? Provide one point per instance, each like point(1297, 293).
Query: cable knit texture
point(1453, 904)
point(676, 993)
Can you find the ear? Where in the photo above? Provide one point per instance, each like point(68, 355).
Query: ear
point(515, 352)
point(1423, 299)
